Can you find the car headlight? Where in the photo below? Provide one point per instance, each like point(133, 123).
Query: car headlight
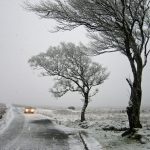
point(32, 110)
point(27, 110)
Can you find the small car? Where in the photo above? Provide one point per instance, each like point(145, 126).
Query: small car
point(29, 110)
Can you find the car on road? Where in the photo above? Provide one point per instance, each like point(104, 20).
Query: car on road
point(29, 110)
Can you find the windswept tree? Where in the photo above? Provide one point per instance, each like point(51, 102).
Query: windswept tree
point(74, 71)
point(115, 25)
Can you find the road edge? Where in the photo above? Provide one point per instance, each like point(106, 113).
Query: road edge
point(7, 118)
point(89, 142)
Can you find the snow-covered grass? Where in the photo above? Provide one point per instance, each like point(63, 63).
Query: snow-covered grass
point(7, 116)
point(2, 110)
point(106, 125)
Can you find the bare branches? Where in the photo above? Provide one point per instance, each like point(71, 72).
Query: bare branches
point(145, 58)
point(146, 50)
point(130, 83)
point(122, 25)
point(75, 71)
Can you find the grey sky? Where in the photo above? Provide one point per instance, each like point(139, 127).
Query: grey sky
point(23, 34)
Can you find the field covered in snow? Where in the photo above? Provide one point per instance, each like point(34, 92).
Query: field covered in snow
point(106, 125)
point(2, 110)
point(6, 116)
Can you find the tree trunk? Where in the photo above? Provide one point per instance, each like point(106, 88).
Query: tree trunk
point(133, 110)
point(84, 107)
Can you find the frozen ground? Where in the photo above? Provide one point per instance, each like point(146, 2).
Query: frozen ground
point(6, 116)
point(106, 125)
point(19, 131)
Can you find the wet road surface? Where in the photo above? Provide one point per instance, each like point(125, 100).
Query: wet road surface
point(36, 132)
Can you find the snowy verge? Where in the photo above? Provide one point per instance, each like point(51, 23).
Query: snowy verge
point(75, 134)
point(7, 118)
point(106, 125)
point(90, 142)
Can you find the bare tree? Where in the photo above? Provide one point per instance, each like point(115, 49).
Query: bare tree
point(115, 25)
point(74, 71)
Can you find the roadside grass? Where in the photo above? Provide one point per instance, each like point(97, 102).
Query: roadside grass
point(2, 110)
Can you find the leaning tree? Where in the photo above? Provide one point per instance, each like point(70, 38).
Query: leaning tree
point(115, 25)
point(74, 71)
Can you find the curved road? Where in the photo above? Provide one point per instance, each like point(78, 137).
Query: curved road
point(36, 132)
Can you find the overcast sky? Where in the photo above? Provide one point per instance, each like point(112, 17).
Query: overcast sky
point(23, 34)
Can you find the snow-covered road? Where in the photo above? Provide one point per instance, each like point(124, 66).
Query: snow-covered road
point(36, 132)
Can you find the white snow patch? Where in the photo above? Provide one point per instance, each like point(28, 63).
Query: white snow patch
point(7, 118)
point(75, 142)
point(91, 143)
